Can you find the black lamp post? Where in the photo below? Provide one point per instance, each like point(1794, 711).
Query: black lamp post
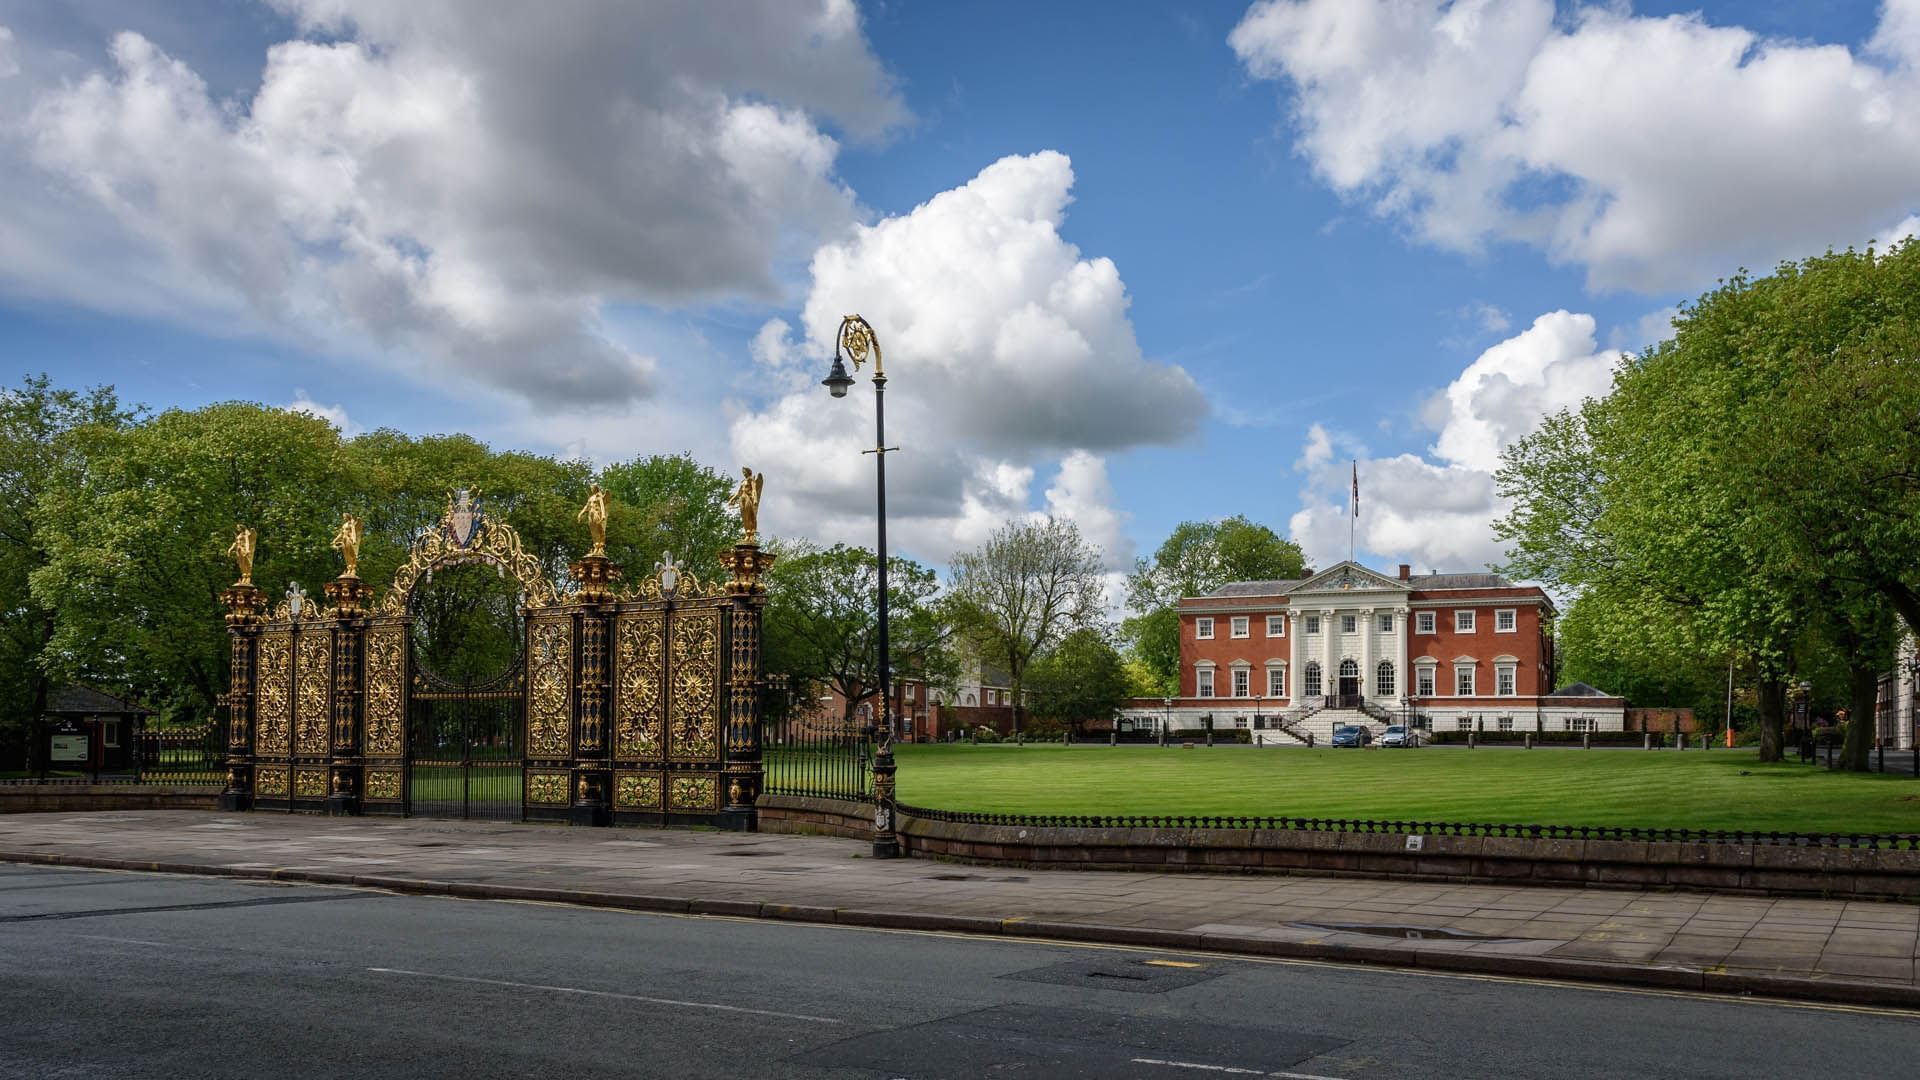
point(857, 341)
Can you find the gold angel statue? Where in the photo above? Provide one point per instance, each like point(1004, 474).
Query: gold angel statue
point(595, 513)
point(347, 542)
point(747, 498)
point(242, 551)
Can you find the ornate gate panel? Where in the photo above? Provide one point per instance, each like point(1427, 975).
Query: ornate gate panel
point(636, 706)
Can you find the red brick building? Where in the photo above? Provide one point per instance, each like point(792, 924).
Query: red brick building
point(1349, 645)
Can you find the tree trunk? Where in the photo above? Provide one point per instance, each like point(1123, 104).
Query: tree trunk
point(1863, 684)
point(1772, 700)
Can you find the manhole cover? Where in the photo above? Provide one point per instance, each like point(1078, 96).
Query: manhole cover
point(1397, 930)
point(748, 854)
point(1125, 974)
point(957, 877)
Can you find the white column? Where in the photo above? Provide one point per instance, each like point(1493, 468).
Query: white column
point(1293, 656)
point(1403, 623)
point(1366, 651)
point(1330, 666)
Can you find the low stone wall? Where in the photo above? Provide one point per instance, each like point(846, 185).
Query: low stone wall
point(39, 798)
point(1738, 868)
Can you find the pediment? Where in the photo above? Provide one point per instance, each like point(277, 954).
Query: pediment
point(1349, 577)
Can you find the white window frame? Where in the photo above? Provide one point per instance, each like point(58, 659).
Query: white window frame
point(110, 733)
point(1424, 622)
point(1463, 724)
point(1386, 679)
point(1203, 628)
point(1464, 621)
point(1240, 627)
point(1465, 670)
point(1313, 624)
point(1276, 626)
point(1386, 623)
point(1313, 681)
point(1424, 681)
point(1203, 681)
point(1239, 721)
point(1506, 680)
point(1349, 624)
point(1242, 682)
point(1277, 680)
point(1509, 616)
point(1580, 723)
point(1504, 723)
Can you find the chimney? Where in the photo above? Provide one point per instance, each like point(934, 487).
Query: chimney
point(1406, 572)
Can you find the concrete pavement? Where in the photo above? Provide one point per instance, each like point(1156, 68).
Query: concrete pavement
point(1849, 951)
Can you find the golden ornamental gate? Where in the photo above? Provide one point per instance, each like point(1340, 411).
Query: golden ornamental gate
point(635, 703)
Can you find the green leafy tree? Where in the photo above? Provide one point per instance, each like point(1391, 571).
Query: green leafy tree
point(1081, 680)
point(1195, 559)
point(669, 503)
point(1753, 475)
point(821, 627)
point(137, 541)
point(40, 427)
point(1023, 590)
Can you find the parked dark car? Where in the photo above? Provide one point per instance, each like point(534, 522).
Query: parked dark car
point(1352, 736)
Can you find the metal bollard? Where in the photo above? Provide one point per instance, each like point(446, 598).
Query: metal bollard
point(1586, 740)
point(1646, 740)
point(1526, 740)
point(1473, 740)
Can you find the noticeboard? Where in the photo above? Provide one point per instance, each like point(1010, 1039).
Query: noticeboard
point(62, 747)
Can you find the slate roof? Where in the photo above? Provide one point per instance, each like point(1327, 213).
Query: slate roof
point(1459, 581)
point(78, 700)
point(1579, 689)
point(1257, 588)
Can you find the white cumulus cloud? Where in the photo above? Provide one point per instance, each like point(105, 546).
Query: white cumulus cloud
point(468, 185)
point(332, 414)
point(1006, 352)
point(1657, 153)
point(1437, 511)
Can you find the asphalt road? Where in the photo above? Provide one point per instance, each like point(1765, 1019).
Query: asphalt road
point(137, 975)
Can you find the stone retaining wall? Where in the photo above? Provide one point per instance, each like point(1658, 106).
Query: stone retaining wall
point(36, 798)
point(1738, 868)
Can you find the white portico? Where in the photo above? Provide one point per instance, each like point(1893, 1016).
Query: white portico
point(1349, 639)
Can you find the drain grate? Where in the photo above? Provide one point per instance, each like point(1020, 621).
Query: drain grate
point(1125, 974)
point(748, 854)
point(1397, 930)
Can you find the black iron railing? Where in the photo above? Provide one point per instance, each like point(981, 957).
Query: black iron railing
point(1892, 841)
point(189, 756)
point(814, 754)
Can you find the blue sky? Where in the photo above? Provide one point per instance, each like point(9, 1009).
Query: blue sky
point(1333, 227)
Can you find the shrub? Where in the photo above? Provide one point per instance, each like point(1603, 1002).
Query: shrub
point(985, 734)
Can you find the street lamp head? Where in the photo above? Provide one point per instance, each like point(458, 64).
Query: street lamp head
point(837, 381)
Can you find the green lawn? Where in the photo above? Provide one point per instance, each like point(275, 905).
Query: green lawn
point(1715, 789)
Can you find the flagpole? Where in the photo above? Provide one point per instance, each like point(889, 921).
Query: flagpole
point(1354, 516)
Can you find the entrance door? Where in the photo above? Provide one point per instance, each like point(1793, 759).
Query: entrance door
point(466, 707)
point(1349, 684)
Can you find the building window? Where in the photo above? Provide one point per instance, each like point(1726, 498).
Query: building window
point(907, 692)
point(1463, 724)
point(1313, 624)
point(1203, 628)
point(1383, 679)
point(1423, 682)
point(1276, 626)
point(1580, 723)
point(1241, 680)
point(1239, 721)
point(1503, 621)
point(1276, 682)
point(1346, 624)
point(1506, 723)
point(1463, 622)
point(109, 733)
point(1463, 682)
point(1313, 678)
point(1205, 689)
point(1503, 680)
point(1240, 626)
point(1386, 624)
point(1423, 622)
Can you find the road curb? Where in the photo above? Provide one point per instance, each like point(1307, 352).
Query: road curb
point(1787, 986)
